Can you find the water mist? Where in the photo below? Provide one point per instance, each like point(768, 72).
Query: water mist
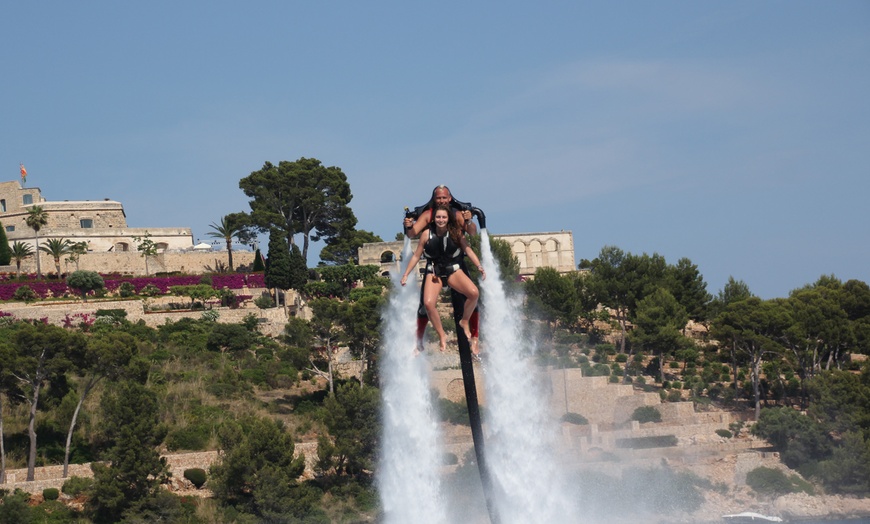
point(408, 474)
point(522, 442)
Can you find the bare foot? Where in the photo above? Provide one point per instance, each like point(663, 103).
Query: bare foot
point(419, 348)
point(443, 347)
point(475, 346)
point(464, 325)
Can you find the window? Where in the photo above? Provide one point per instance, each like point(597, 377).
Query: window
point(86, 223)
point(10, 228)
point(2, 205)
point(28, 199)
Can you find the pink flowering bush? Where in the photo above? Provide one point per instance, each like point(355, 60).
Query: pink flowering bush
point(58, 289)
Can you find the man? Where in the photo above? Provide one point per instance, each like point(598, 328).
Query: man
point(414, 225)
point(440, 196)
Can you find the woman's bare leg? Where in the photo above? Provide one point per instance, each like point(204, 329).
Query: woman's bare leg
point(430, 299)
point(462, 284)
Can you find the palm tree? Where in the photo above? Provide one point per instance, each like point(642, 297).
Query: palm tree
point(20, 252)
point(226, 230)
point(57, 248)
point(36, 218)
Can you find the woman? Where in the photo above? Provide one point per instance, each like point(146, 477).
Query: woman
point(443, 245)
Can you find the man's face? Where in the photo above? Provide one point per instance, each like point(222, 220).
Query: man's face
point(442, 197)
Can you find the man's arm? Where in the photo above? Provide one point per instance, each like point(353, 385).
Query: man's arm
point(414, 228)
point(463, 218)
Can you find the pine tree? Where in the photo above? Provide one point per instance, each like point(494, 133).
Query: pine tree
point(136, 470)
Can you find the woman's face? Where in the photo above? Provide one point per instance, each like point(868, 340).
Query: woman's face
point(441, 218)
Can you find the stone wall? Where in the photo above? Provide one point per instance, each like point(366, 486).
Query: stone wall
point(132, 263)
point(272, 320)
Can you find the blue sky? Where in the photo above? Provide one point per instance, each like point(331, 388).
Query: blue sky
point(736, 134)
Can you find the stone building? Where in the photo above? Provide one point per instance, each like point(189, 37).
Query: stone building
point(100, 223)
point(533, 250)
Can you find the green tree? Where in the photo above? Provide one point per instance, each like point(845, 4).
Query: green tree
point(343, 279)
point(21, 251)
point(620, 279)
point(300, 197)
point(105, 355)
point(228, 229)
point(7, 383)
point(687, 286)
point(344, 247)
point(326, 327)
point(56, 248)
point(132, 428)
point(659, 323)
point(230, 337)
point(800, 440)
point(5, 251)
point(505, 259)
point(200, 292)
point(76, 250)
point(553, 297)
point(734, 291)
point(41, 351)
point(37, 218)
point(84, 282)
point(259, 265)
point(257, 469)
point(146, 247)
point(753, 326)
point(278, 264)
point(298, 274)
point(361, 322)
point(352, 420)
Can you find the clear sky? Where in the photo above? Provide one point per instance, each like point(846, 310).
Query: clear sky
point(733, 133)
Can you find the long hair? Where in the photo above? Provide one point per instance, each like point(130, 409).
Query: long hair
point(453, 228)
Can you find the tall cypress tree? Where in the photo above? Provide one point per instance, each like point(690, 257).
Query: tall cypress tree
point(278, 263)
point(5, 250)
point(298, 269)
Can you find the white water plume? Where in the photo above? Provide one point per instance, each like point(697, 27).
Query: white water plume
point(522, 443)
point(408, 475)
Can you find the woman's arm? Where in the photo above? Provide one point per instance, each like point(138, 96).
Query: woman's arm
point(472, 256)
point(416, 256)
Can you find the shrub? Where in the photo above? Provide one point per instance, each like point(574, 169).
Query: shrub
point(117, 315)
point(196, 476)
point(575, 418)
point(50, 493)
point(25, 293)
point(724, 433)
point(150, 290)
point(264, 301)
point(85, 281)
point(622, 358)
point(193, 437)
point(646, 414)
point(674, 396)
point(126, 289)
point(75, 486)
point(769, 481)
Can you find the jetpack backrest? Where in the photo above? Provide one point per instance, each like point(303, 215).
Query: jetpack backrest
point(455, 204)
